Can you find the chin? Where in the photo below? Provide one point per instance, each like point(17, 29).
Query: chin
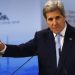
point(55, 32)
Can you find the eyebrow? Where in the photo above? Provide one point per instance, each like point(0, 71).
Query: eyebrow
point(51, 18)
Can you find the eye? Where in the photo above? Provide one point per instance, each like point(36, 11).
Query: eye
point(50, 19)
point(57, 17)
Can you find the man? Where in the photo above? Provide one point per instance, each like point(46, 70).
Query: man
point(44, 45)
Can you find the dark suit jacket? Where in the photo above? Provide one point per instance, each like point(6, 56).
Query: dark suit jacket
point(43, 45)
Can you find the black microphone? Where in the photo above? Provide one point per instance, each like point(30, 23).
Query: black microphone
point(24, 63)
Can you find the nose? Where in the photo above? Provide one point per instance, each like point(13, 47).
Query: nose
point(54, 21)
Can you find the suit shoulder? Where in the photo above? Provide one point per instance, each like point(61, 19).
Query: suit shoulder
point(44, 31)
point(73, 29)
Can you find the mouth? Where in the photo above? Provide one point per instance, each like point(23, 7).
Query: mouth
point(55, 29)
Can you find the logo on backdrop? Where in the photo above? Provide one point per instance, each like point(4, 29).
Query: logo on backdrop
point(4, 19)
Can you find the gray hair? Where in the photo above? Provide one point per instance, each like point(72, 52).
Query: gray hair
point(52, 5)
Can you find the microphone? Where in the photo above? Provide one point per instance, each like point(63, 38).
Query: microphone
point(24, 63)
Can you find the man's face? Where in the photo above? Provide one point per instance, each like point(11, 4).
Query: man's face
point(55, 21)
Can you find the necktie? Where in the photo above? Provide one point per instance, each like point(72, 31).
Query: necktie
point(58, 47)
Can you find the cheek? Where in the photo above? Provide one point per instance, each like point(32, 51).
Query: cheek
point(62, 24)
point(49, 24)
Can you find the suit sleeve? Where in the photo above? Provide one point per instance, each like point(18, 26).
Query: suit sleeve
point(23, 50)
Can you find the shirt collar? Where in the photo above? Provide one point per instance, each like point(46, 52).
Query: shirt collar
point(62, 32)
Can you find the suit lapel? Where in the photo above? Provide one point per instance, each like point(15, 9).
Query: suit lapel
point(50, 45)
point(68, 42)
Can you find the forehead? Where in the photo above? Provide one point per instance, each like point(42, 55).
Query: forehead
point(53, 13)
